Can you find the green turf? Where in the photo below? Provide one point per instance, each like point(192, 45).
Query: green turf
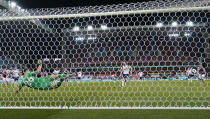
point(104, 114)
point(135, 93)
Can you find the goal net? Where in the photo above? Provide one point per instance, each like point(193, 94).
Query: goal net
point(127, 56)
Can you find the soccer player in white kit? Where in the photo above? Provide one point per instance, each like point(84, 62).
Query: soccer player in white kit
point(125, 70)
point(191, 73)
point(79, 75)
point(140, 75)
point(16, 75)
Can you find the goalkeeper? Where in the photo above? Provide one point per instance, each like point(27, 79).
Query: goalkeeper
point(42, 83)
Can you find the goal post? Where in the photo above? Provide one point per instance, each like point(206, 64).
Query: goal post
point(102, 14)
point(126, 56)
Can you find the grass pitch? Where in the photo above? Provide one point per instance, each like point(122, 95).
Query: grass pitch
point(104, 114)
point(177, 93)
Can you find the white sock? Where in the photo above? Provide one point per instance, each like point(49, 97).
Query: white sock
point(123, 83)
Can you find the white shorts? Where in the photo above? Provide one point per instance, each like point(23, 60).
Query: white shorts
point(201, 76)
point(4, 79)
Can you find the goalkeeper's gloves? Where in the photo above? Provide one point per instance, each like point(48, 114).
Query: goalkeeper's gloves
point(70, 75)
point(40, 62)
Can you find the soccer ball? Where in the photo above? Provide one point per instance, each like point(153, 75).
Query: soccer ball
point(194, 71)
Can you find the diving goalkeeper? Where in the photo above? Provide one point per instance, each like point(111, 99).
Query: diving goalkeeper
point(43, 83)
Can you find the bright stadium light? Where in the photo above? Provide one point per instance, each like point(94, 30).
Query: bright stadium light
point(173, 35)
point(76, 28)
point(187, 34)
point(22, 10)
point(104, 27)
point(91, 38)
point(174, 24)
point(90, 28)
point(189, 23)
point(80, 38)
point(18, 7)
point(57, 59)
point(13, 4)
point(159, 24)
point(46, 59)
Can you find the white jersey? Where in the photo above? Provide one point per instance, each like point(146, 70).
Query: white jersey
point(191, 71)
point(55, 72)
point(201, 76)
point(15, 73)
point(140, 74)
point(188, 72)
point(201, 73)
point(79, 74)
point(126, 69)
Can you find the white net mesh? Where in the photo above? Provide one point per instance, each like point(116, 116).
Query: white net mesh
point(158, 42)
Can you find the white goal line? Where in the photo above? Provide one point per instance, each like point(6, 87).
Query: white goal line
point(114, 108)
point(104, 13)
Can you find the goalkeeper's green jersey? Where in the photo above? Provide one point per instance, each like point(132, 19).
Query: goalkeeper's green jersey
point(43, 83)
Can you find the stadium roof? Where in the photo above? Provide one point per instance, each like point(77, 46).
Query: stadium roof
point(69, 3)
